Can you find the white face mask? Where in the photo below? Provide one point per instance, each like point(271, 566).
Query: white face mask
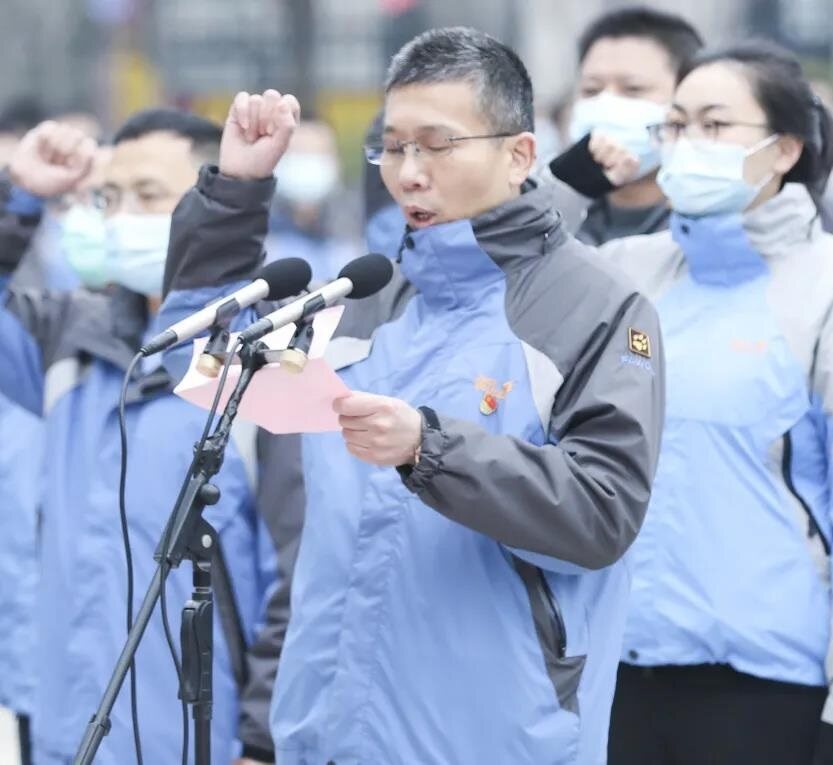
point(306, 177)
point(706, 177)
point(625, 120)
point(137, 246)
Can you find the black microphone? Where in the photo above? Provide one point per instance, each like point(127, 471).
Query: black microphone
point(277, 281)
point(360, 278)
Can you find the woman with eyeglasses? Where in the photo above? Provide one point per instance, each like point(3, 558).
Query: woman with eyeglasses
point(729, 624)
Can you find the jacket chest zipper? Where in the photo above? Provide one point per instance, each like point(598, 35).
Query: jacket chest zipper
point(786, 470)
point(557, 617)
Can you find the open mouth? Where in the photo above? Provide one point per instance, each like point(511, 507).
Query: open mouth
point(419, 217)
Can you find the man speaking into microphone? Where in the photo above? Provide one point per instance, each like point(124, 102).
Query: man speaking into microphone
point(459, 594)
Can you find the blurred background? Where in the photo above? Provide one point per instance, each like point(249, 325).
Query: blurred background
point(97, 61)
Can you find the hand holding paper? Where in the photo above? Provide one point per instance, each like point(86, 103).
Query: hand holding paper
point(379, 429)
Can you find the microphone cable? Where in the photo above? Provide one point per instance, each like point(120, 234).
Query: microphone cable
point(128, 553)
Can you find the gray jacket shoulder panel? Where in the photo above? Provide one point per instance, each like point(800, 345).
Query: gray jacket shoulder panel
point(559, 302)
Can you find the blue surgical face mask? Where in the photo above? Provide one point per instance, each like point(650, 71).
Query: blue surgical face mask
point(83, 242)
point(625, 120)
point(706, 177)
point(137, 246)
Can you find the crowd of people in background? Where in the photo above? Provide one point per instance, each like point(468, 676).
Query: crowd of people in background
point(699, 173)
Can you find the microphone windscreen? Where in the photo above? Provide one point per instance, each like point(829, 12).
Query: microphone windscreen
point(286, 277)
point(369, 274)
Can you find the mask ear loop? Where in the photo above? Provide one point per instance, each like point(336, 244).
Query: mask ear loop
point(762, 144)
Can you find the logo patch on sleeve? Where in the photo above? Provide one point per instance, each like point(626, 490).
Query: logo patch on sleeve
point(639, 343)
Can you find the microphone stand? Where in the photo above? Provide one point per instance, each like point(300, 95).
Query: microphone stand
point(187, 535)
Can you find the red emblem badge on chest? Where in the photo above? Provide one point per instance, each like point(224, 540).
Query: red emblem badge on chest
point(493, 393)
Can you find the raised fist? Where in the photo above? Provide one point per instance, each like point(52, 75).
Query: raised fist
point(620, 166)
point(52, 159)
point(256, 134)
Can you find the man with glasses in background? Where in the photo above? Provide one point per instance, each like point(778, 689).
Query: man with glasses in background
point(64, 356)
point(459, 594)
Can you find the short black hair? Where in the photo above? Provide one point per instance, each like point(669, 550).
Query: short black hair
point(20, 115)
point(204, 134)
point(674, 34)
point(504, 89)
point(782, 90)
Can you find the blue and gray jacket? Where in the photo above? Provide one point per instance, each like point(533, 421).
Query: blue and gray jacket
point(733, 563)
point(64, 356)
point(470, 609)
point(21, 442)
point(20, 482)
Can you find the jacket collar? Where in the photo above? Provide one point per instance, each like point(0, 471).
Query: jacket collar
point(452, 263)
point(787, 219)
point(115, 333)
point(731, 249)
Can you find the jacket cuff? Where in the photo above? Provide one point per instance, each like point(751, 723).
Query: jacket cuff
point(233, 191)
point(577, 168)
point(433, 447)
point(258, 754)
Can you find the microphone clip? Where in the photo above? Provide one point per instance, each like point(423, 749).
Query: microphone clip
point(213, 357)
point(294, 358)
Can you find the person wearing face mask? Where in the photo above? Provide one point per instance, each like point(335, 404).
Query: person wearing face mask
point(302, 220)
point(628, 63)
point(79, 240)
point(65, 354)
point(730, 614)
point(21, 436)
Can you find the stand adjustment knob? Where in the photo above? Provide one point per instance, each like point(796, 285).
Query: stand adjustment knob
point(209, 494)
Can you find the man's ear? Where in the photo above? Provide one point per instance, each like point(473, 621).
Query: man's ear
point(522, 151)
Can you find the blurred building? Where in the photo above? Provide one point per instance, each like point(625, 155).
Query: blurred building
point(120, 55)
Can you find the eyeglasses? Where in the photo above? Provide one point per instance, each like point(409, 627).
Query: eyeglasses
point(668, 132)
point(110, 199)
point(424, 146)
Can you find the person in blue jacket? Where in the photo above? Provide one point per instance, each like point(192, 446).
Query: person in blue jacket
point(729, 625)
point(460, 589)
point(20, 444)
point(65, 354)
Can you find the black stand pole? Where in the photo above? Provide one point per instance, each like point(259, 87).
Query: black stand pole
point(197, 642)
point(186, 535)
